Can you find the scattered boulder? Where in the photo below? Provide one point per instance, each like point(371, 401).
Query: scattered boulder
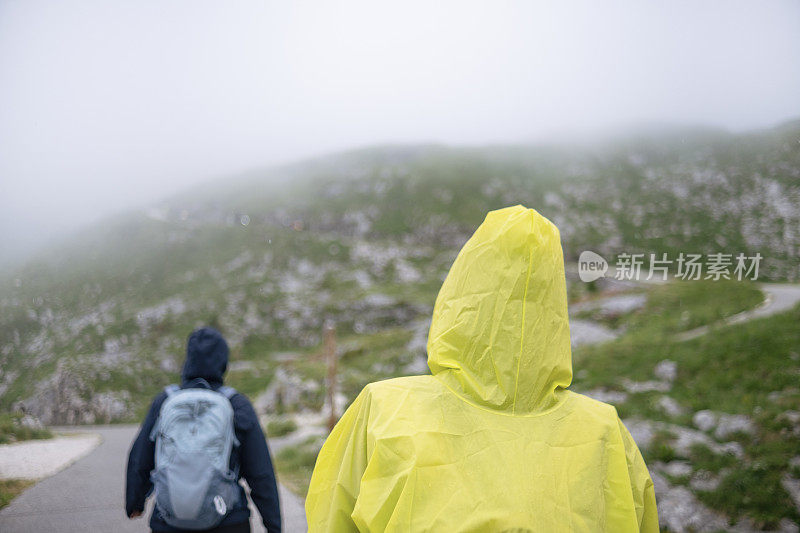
point(679, 510)
point(704, 420)
point(150, 316)
point(792, 486)
point(168, 364)
point(418, 345)
point(607, 396)
point(380, 367)
point(624, 303)
point(677, 468)
point(728, 425)
point(69, 407)
point(589, 332)
point(110, 406)
point(339, 402)
point(286, 392)
point(66, 397)
point(666, 370)
point(611, 306)
point(646, 386)
point(378, 300)
point(778, 395)
point(704, 481)
point(417, 367)
point(642, 431)
point(669, 406)
point(733, 448)
point(31, 422)
point(405, 272)
point(684, 438)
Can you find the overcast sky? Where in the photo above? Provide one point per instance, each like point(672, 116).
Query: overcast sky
point(105, 105)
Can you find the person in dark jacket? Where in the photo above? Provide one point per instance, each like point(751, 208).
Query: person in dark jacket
point(207, 359)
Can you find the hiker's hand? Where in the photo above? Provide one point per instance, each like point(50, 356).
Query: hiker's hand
point(135, 514)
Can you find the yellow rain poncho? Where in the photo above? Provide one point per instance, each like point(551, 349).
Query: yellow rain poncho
point(493, 440)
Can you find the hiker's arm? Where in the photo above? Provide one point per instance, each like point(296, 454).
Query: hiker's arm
point(336, 481)
point(644, 496)
point(256, 466)
point(141, 462)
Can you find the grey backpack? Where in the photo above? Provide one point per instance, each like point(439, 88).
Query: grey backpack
point(194, 436)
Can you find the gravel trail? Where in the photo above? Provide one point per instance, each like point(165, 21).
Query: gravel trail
point(36, 459)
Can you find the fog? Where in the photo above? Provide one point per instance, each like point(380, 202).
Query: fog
point(108, 105)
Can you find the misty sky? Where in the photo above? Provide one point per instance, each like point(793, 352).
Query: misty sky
point(105, 105)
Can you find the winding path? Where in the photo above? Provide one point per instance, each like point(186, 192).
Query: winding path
point(779, 297)
point(89, 494)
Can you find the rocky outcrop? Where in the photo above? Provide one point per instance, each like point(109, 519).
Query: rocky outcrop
point(66, 398)
point(287, 392)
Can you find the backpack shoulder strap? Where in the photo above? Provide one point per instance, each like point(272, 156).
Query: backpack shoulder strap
point(228, 392)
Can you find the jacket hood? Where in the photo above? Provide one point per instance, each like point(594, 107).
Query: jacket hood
point(206, 356)
point(499, 335)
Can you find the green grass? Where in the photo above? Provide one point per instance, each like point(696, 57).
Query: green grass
point(703, 458)
point(11, 488)
point(660, 448)
point(732, 370)
point(682, 306)
point(249, 382)
point(685, 305)
point(295, 465)
point(281, 427)
point(670, 308)
point(369, 358)
point(11, 430)
point(753, 490)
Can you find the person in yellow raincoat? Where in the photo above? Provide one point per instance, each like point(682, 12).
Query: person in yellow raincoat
point(493, 440)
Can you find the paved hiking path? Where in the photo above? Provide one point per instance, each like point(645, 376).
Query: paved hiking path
point(88, 496)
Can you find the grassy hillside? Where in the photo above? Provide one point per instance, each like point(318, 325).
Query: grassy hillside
point(90, 330)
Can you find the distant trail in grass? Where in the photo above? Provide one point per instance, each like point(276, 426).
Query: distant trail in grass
point(780, 297)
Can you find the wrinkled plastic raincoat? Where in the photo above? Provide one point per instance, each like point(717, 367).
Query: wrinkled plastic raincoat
point(493, 440)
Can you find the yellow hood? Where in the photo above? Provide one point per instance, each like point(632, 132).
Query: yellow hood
point(444, 453)
point(499, 337)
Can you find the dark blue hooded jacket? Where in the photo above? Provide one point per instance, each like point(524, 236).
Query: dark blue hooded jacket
point(207, 359)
